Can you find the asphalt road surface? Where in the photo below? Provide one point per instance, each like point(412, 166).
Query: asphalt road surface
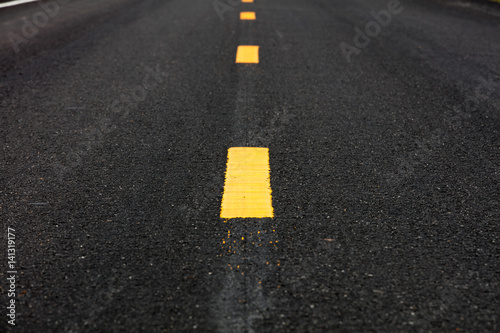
point(384, 158)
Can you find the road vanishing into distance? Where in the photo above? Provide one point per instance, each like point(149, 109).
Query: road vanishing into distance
point(265, 166)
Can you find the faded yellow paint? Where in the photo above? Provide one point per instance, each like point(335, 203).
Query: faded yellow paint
point(247, 54)
point(247, 189)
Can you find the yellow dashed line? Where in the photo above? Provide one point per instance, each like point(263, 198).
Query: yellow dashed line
point(247, 189)
point(247, 16)
point(247, 54)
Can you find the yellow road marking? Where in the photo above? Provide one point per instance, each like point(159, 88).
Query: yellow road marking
point(247, 1)
point(247, 16)
point(247, 54)
point(247, 189)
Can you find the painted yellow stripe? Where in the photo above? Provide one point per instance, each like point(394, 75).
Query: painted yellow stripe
point(247, 16)
point(247, 54)
point(247, 190)
point(247, 1)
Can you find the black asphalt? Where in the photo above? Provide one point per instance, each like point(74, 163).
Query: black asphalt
point(116, 117)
